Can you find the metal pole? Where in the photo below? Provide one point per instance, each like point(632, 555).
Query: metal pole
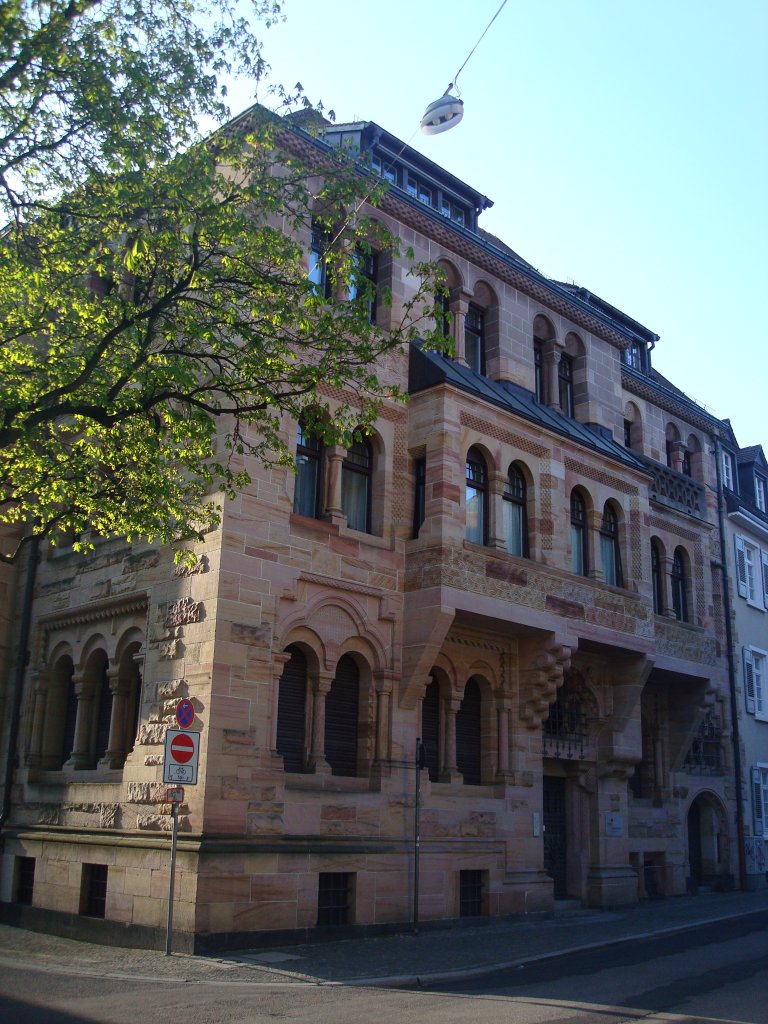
point(169, 926)
point(416, 834)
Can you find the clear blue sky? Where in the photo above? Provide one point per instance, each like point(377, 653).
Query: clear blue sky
point(625, 147)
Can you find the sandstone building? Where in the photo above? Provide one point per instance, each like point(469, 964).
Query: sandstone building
point(521, 567)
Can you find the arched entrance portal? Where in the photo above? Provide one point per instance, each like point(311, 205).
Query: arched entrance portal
point(707, 841)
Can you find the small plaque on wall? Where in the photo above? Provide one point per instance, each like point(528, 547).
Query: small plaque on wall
point(614, 824)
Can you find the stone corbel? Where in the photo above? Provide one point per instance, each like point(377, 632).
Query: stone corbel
point(540, 681)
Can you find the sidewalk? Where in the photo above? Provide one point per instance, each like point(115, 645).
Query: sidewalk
point(433, 955)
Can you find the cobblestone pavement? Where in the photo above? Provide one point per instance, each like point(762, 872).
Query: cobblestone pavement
point(434, 954)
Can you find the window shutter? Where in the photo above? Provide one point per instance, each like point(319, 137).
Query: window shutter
point(341, 717)
point(758, 675)
point(291, 712)
point(468, 735)
point(749, 681)
point(741, 566)
point(430, 728)
point(764, 561)
point(757, 802)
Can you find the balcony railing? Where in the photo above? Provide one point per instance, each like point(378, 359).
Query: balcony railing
point(675, 489)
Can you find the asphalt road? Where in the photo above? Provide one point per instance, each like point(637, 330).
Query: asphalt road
point(716, 973)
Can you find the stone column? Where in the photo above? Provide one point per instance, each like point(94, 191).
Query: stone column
point(665, 567)
point(611, 881)
point(503, 734)
point(496, 484)
point(459, 307)
point(317, 748)
point(383, 683)
point(551, 367)
point(594, 550)
point(34, 752)
point(450, 771)
point(115, 755)
point(81, 754)
point(333, 510)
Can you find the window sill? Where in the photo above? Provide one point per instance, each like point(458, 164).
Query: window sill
point(71, 776)
point(309, 782)
point(325, 526)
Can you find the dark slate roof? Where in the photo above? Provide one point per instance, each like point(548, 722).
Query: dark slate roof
point(752, 453)
point(428, 369)
point(594, 300)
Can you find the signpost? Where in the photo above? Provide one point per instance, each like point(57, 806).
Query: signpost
point(182, 751)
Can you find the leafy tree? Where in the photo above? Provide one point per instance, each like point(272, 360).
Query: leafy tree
point(157, 317)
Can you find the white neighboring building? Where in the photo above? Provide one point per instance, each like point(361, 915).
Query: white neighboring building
point(745, 483)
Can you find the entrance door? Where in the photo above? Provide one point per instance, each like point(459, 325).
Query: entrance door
point(694, 843)
point(554, 834)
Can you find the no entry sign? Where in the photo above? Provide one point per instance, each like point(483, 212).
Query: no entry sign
point(181, 756)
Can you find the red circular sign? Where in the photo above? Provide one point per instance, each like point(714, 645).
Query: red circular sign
point(182, 748)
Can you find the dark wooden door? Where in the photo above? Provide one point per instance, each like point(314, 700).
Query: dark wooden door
point(555, 834)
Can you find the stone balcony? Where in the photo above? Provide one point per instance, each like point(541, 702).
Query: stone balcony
point(675, 490)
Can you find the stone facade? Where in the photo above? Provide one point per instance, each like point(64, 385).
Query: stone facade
point(557, 691)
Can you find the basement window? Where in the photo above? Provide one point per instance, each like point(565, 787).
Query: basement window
point(471, 893)
point(25, 880)
point(334, 898)
point(93, 892)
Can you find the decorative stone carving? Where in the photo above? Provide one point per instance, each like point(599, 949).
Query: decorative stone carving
point(181, 612)
point(185, 569)
point(108, 815)
point(169, 649)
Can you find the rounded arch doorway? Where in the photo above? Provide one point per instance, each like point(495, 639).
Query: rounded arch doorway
point(708, 855)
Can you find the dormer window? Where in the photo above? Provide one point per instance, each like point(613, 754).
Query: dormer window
point(424, 189)
point(728, 470)
point(760, 493)
point(633, 355)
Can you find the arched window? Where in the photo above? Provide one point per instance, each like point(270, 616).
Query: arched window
point(309, 452)
point(515, 519)
point(474, 339)
point(342, 707)
point(60, 717)
point(657, 578)
point(468, 735)
point(679, 587)
point(363, 280)
point(538, 369)
point(318, 266)
point(609, 547)
point(419, 494)
point(430, 728)
point(291, 712)
point(476, 498)
point(565, 384)
point(356, 473)
point(579, 565)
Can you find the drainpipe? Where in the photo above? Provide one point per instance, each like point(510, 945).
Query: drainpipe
point(22, 658)
point(737, 773)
